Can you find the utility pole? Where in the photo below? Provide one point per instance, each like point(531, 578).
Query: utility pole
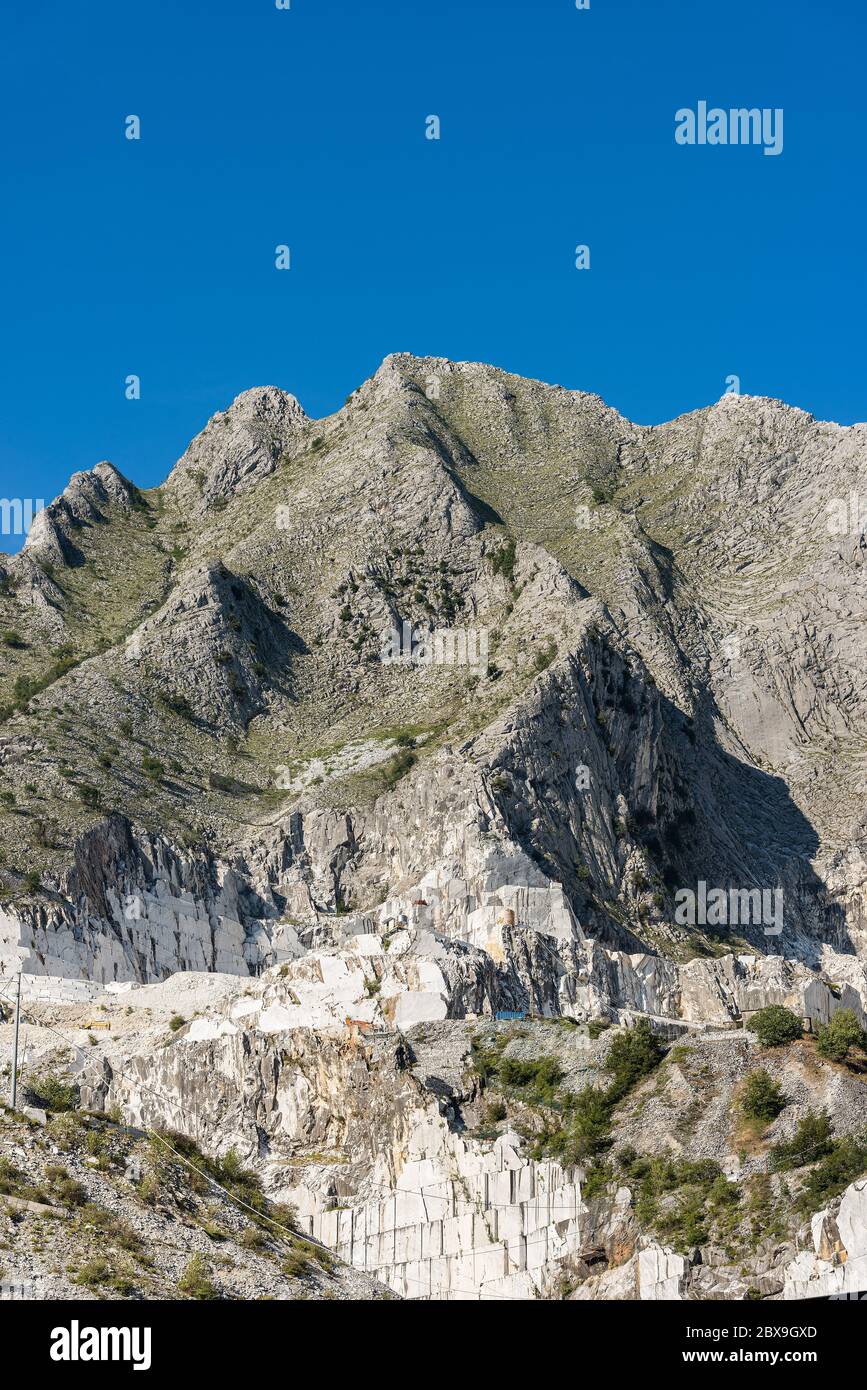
point(15, 1044)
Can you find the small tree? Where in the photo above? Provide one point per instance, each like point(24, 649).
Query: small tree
point(775, 1026)
point(633, 1054)
point(53, 1093)
point(811, 1141)
point(762, 1098)
point(834, 1039)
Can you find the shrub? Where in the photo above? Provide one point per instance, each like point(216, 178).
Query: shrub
point(64, 1187)
point(833, 1173)
point(596, 1027)
point(93, 1273)
point(253, 1239)
point(53, 1093)
point(152, 767)
point(503, 560)
point(588, 1133)
point(545, 654)
point(65, 1130)
point(596, 1180)
point(703, 1195)
point(195, 1282)
point(227, 1171)
point(632, 1055)
point(176, 1022)
point(178, 704)
point(69, 1192)
point(10, 1176)
point(98, 1145)
point(98, 1219)
point(397, 767)
point(834, 1039)
point(296, 1263)
point(762, 1098)
point(541, 1077)
point(232, 1166)
point(495, 1111)
point(775, 1026)
point(811, 1141)
point(486, 1060)
point(27, 686)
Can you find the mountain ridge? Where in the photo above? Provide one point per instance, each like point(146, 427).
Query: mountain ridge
point(385, 750)
point(493, 471)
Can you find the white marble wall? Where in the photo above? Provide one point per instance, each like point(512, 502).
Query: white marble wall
point(464, 1224)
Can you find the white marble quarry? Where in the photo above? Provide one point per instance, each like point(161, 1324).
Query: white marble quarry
point(474, 910)
point(419, 1006)
point(837, 1264)
point(206, 1029)
point(398, 965)
point(57, 990)
point(661, 1274)
point(406, 975)
point(154, 935)
point(461, 1223)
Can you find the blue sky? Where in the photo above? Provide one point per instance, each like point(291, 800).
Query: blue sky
point(307, 127)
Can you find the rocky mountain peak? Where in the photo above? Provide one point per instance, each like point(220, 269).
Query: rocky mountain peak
point(85, 501)
point(239, 446)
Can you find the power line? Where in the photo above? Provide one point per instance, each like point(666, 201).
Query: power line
point(154, 1134)
point(15, 1044)
point(294, 1235)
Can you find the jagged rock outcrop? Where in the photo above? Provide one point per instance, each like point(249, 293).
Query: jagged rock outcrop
point(85, 502)
point(837, 1264)
point(238, 447)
